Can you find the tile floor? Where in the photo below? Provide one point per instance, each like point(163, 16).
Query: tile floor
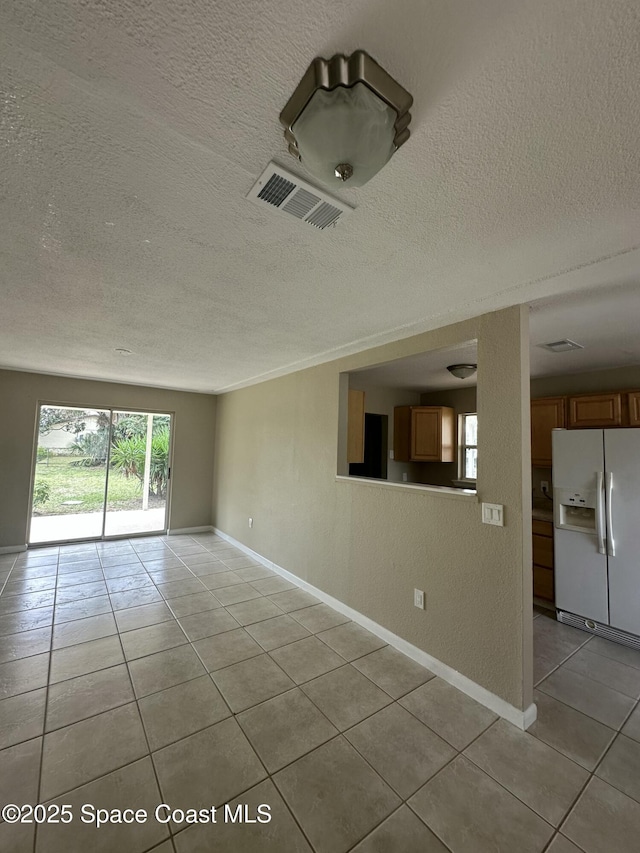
point(176, 670)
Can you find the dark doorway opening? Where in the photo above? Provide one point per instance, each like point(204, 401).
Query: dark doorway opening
point(376, 429)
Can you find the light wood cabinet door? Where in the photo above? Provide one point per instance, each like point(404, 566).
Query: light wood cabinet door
point(547, 414)
point(355, 427)
point(634, 408)
point(543, 586)
point(595, 410)
point(424, 434)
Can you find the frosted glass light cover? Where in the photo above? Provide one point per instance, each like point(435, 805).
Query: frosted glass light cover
point(345, 125)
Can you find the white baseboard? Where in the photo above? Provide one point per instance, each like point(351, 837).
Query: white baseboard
point(12, 549)
point(519, 718)
point(179, 531)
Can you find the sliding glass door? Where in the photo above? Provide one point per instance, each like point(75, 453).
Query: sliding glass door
point(99, 473)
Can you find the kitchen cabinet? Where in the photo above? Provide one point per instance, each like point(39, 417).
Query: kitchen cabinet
point(424, 434)
point(543, 585)
point(633, 398)
point(595, 410)
point(547, 414)
point(355, 426)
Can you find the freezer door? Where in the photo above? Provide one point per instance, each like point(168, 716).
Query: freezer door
point(622, 482)
point(580, 569)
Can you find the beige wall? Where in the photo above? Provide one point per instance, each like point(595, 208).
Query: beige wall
point(370, 544)
point(192, 464)
point(618, 378)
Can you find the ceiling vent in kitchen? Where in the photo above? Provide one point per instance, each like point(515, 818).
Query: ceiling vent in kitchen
point(564, 345)
point(283, 192)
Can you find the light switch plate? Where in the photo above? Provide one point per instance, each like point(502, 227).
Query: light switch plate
point(418, 598)
point(493, 514)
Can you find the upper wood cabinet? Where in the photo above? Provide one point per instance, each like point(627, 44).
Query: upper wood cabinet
point(424, 434)
point(634, 408)
point(547, 414)
point(595, 410)
point(355, 426)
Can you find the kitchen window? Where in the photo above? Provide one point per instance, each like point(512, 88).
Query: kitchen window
point(468, 447)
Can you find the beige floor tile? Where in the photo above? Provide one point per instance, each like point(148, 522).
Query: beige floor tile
point(254, 573)
point(319, 617)
point(164, 669)
point(285, 728)
point(178, 588)
point(17, 838)
point(22, 717)
point(153, 638)
point(603, 820)
point(220, 580)
point(197, 602)
point(454, 716)
point(124, 570)
point(615, 651)
point(131, 786)
point(625, 679)
point(621, 766)
point(403, 832)
point(25, 644)
point(207, 624)
point(276, 632)
point(293, 599)
point(553, 642)
point(580, 738)
point(280, 835)
point(85, 657)
point(79, 753)
point(604, 704)
point(20, 772)
point(269, 586)
point(198, 558)
point(25, 584)
point(227, 648)
point(346, 696)
point(66, 594)
point(245, 684)
point(335, 796)
point(394, 672)
point(74, 578)
point(26, 620)
point(306, 659)
point(472, 813)
point(239, 562)
point(351, 641)
point(79, 698)
point(211, 567)
point(160, 563)
point(632, 727)
point(237, 593)
point(560, 844)
point(83, 609)
point(180, 711)
point(403, 750)
point(82, 630)
point(535, 773)
point(135, 598)
point(27, 601)
point(249, 612)
point(122, 584)
point(171, 575)
point(23, 675)
point(208, 768)
point(140, 617)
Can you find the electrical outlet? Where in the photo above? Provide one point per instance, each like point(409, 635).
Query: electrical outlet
point(250, 522)
point(405, 477)
point(544, 485)
point(418, 598)
point(391, 454)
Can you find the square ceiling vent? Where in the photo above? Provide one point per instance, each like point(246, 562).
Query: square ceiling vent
point(283, 192)
point(565, 345)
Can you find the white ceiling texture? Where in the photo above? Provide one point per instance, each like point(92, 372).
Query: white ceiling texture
point(131, 132)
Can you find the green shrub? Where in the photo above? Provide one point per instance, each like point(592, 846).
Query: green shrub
point(41, 493)
point(128, 456)
point(93, 447)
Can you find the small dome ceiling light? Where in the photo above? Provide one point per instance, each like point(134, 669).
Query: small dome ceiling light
point(346, 119)
point(462, 371)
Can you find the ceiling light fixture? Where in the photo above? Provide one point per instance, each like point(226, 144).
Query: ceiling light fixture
point(346, 118)
point(462, 371)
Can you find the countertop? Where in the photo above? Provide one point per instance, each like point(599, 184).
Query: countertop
point(542, 511)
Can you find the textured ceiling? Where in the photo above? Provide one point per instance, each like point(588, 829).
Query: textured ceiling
point(130, 133)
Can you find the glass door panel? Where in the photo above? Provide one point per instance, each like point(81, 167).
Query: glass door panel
point(138, 473)
point(70, 474)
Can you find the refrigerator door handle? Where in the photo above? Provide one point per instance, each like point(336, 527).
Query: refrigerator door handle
point(600, 512)
point(611, 545)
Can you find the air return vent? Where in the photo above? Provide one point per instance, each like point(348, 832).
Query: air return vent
point(598, 629)
point(283, 192)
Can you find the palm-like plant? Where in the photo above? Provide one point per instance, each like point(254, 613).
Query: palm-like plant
point(128, 455)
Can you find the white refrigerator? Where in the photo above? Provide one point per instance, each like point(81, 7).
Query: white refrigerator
point(596, 492)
